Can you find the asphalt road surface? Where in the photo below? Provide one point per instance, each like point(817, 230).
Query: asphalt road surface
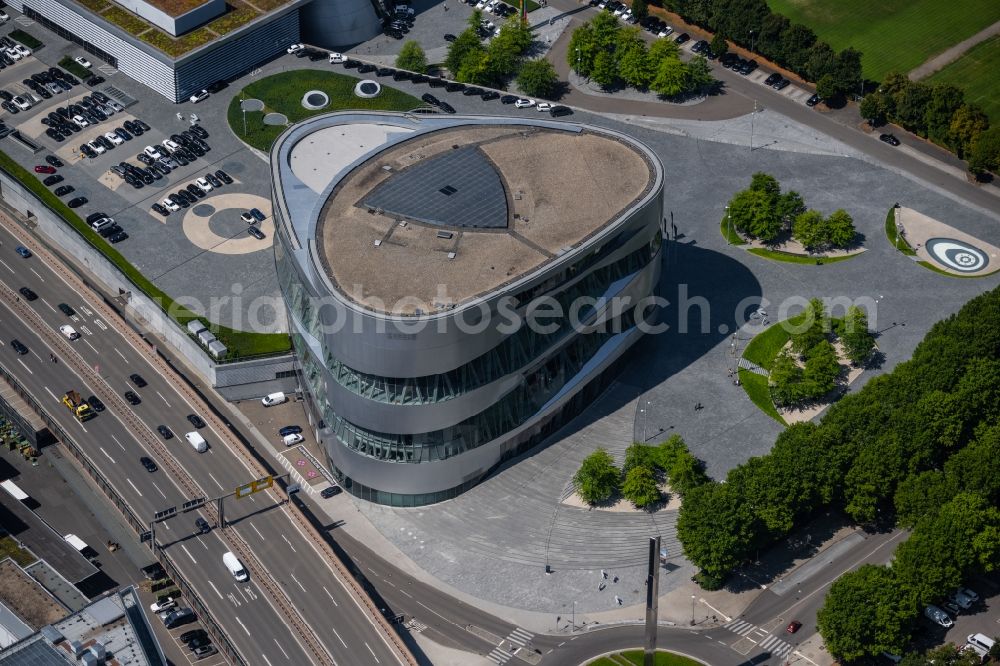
point(251, 621)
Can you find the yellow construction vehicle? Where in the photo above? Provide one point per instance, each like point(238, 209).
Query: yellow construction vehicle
point(78, 406)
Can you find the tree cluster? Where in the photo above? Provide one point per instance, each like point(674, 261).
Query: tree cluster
point(412, 57)
point(940, 113)
point(753, 25)
point(875, 455)
point(494, 64)
point(763, 212)
point(612, 54)
point(638, 481)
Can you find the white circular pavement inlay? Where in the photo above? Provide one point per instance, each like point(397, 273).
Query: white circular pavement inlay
point(198, 231)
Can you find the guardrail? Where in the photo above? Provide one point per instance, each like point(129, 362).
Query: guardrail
point(219, 636)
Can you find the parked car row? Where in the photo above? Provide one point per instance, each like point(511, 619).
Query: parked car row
point(400, 22)
point(738, 64)
point(106, 226)
point(654, 26)
point(960, 600)
point(11, 51)
point(90, 110)
point(186, 196)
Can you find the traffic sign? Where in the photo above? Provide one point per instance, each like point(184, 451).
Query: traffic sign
point(262, 483)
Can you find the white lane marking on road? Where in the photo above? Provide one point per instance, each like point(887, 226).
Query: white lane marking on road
point(47, 303)
point(257, 531)
point(91, 346)
point(297, 582)
point(184, 548)
point(373, 653)
point(167, 525)
point(158, 489)
point(121, 354)
point(406, 593)
point(717, 611)
point(51, 393)
point(163, 399)
point(215, 589)
point(334, 603)
point(266, 659)
point(436, 613)
point(101, 325)
point(5, 264)
point(25, 367)
point(36, 273)
point(35, 354)
point(214, 479)
point(244, 626)
point(338, 636)
point(85, 310)
point(133, 486)
point(86, 330)
point(289, 543)
point(280, 648)
point(117, 442)
point(106, 454)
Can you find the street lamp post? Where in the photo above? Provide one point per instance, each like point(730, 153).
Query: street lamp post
point(578, 61)
point(752, 43)
point(692, 610)
point(729, 223)
point(752, 116)
point(645, 417)
point(573, 630)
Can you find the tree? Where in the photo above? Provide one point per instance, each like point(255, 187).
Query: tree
point(967, 123)
point(795, 44)
point(538, 78)
point(640, 9)
point(789, 206)
point(717, 529)
point(640, 487)
point(874, 108)
point(466, 42)
point(699, 73)
point(475, 19)
point(671, 77)
point(847, 73)
point(813, 329)
point(944, 102)
point(840, 229)
point(719, 45)
point(826, 87)
point(752, 213)
point(597, 478)
point(766, 183)
point(637, 455)
point(582, 50)
point(474, 68)
point(605, 72)
point(411, 57)
point(822, 62)
point(858, 341)
point(506, 50)
point(809, 229)
point(865, 614)
point(785, 380)
point(822, 369)
point(985, 153)
point(634, 64)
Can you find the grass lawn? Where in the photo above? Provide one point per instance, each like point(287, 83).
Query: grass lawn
point(891, 34)
point(793, 258)
point(9, 548)
point(890, 233)
point(635, 658)
point(759, 393)
point(730, 235)
point(240, 343)
point(75, 68)
point(975, 73)
point(283, 93)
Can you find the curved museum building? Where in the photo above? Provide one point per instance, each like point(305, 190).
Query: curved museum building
point(458, 287)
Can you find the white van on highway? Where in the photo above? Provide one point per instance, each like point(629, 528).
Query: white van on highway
point(196, 441)
point(235, 567)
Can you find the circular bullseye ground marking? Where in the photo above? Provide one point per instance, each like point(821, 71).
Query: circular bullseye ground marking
point(957, 255)
point(315, 100)
point(196, 224)
point(367, 89)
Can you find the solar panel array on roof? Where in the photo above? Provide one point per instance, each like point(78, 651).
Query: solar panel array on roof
point(459, 188)
point(35, 653)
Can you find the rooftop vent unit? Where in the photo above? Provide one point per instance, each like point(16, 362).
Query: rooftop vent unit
point(445, 234)
point(403, 223)
point(451, 255)
point(98, 650)
point(76, 647)
point(377, 243)
point(52, 635)
point(386, 167)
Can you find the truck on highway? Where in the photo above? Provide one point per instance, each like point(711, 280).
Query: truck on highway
point(78, 406)
point(235, 566)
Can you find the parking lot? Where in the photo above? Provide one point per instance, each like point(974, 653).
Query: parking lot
point(204, 253)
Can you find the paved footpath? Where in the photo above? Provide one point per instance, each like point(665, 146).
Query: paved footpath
point(954, 53)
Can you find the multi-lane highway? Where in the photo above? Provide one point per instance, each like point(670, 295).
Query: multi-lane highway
point(100, 363)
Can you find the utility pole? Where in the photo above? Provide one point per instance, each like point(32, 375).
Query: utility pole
point(752, 115)
point(652, 600)
point(729, 224)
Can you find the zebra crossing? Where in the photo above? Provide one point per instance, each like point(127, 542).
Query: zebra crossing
point(515, 640)
point(765, 640)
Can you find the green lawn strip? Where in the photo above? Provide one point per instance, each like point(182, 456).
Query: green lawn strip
point(241, 14)
point(760, 393)
point(890, 233)
point(282, 93)
point(176, 47)
point(9, 548)
point(604, 661)
point(893, 34)
point(128, 22)
point(239, 343)
point(74, 68)
point(662, 658)
point(26, 39)
point(936, 269)
point(793, 258)
point(730, 235)
point(764, 347)
point(975, 73)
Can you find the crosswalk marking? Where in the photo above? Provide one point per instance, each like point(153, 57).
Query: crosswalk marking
point(499, 656)
point(740, 627)
point(520, 637)
point(776, 646)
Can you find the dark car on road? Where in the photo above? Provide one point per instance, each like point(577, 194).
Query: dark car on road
point(889, 139)
point(77, 202)
point(148, 463)
point(557, 111)
point(137, 380)
point(195, 420)
point(448, 37)
point(290, 430)
point(52, 180)
point(18, 346)
point(256, 233)
point(164, 432)
point(95, 403)
point(179, 617)
point(327, 493)
point(28, 294)
point(66, 310)
point(132, 398)
point(430, 99)
point(63, 190)
point(189, 636)
point(454, 86)
point(508, 99)
point(446, 107)
point(203, 528)
point(490, 94)
point(683, 37)
point(814, 100)
point(54, 161)
point(224, 177)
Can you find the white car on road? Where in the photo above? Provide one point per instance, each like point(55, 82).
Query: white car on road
point(69, 332)
point(292, 440)
point(170, 205)
point(524, 103)
point(113, 138)
point(170, 145)
point(82, 62)
point(295, 48)
point(543, 106)
point(203, 185)
point(21, 103)
point(337, 58)
point(153, 152)
point(199, 96)
point(80, 121)
point(23, 50)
